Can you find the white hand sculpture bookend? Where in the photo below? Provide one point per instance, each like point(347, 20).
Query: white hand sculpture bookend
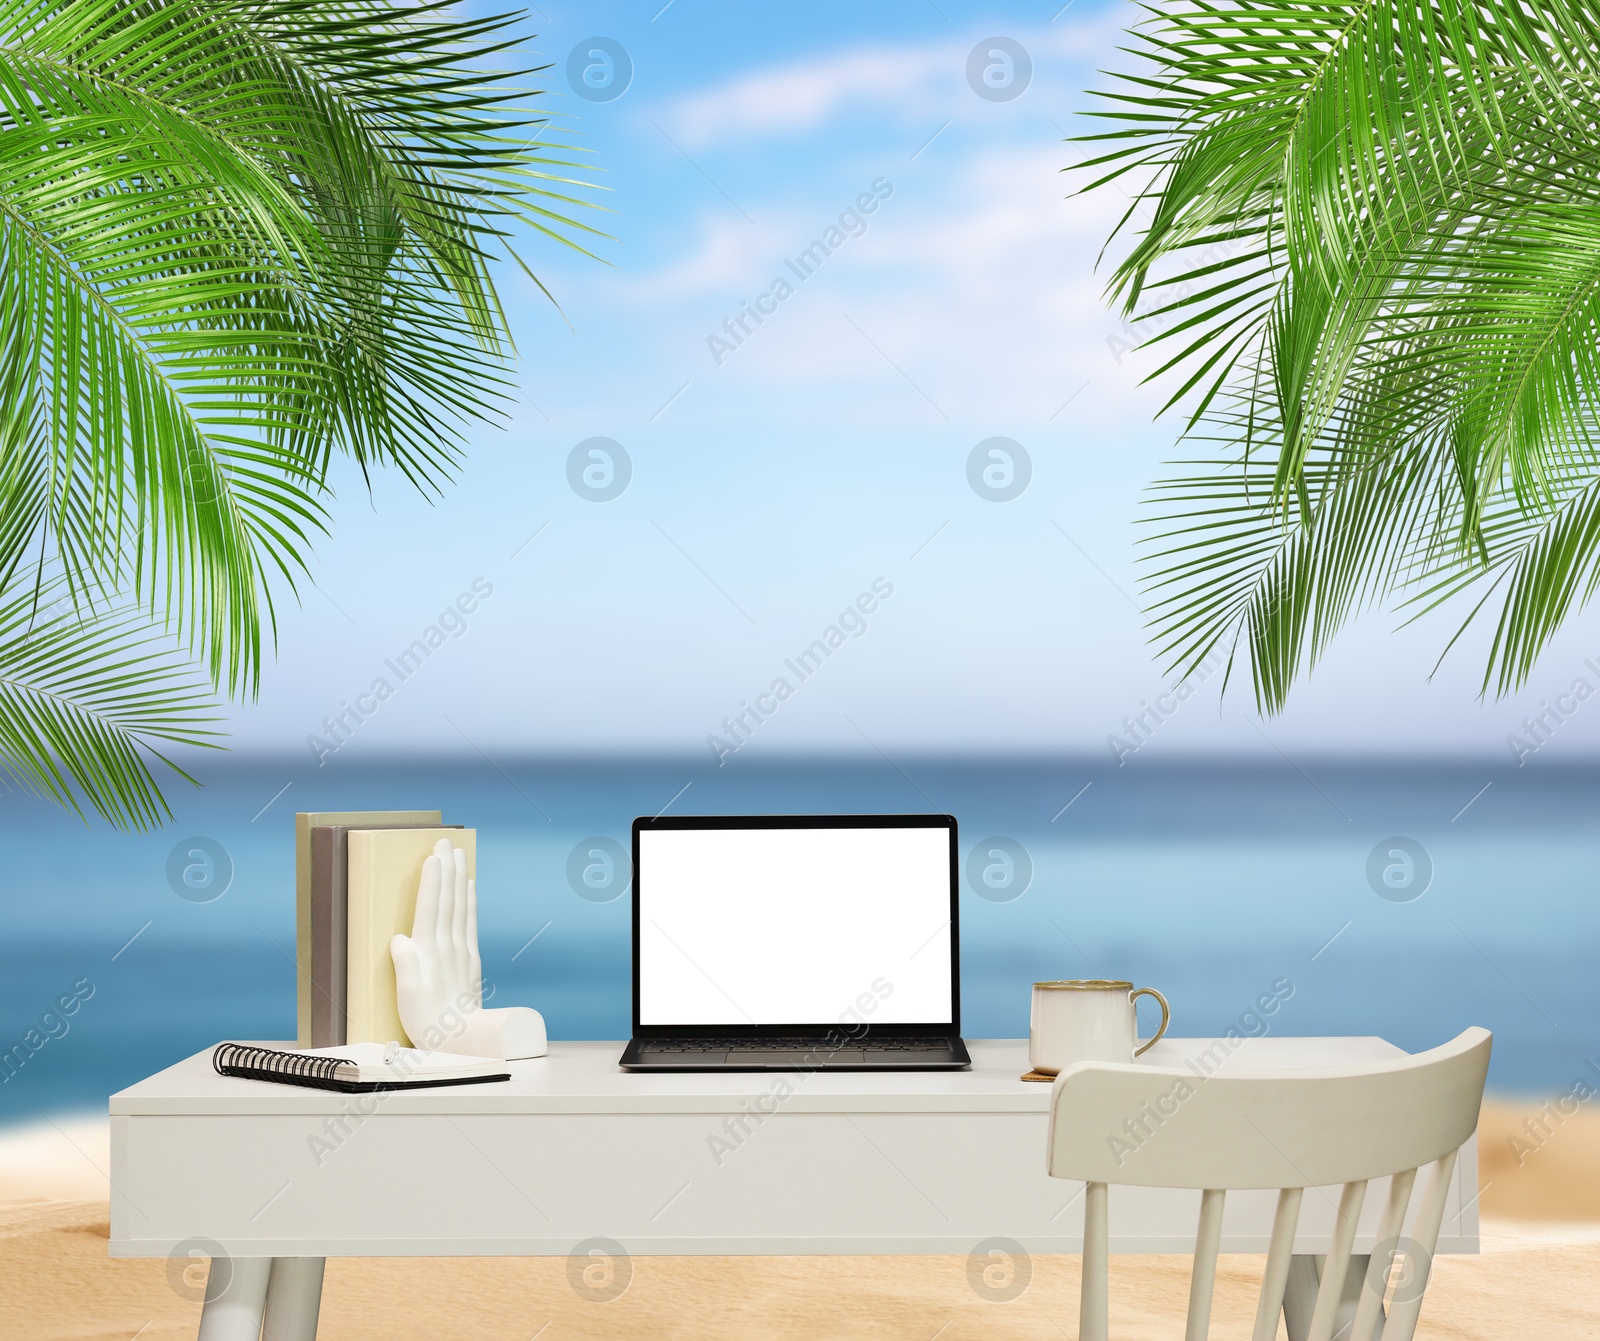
point(439, 976)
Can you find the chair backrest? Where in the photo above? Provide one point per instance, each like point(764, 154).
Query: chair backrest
point(1215, 1130)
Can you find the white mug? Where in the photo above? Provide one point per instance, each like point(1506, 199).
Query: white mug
point(1087, 1021)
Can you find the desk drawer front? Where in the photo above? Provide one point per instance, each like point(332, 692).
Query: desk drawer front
point(485, 1184)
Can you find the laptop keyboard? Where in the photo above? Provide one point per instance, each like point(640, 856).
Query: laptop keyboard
point(795, 1045)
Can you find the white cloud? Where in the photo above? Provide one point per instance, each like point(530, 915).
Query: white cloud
point(914, 82)
point(977, 284)
point(729, 255)
point(803, 95)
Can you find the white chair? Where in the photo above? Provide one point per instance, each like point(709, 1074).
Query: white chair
point(1288, 1130)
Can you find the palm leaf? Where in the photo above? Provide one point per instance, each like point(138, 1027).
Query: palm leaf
point(1396, 355)
point(86, 708)
point(238, 237)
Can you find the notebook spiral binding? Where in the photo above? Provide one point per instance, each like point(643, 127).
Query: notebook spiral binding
point(296, 1068)
point(240, 1059)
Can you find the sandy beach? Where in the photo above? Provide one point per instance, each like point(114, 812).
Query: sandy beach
point(1538, 1278)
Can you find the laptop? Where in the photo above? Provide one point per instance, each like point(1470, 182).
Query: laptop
point(795, 942)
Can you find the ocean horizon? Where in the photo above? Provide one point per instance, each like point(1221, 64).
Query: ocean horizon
point(1404, 898)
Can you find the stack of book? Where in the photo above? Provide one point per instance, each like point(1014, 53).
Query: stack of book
point(356, 875)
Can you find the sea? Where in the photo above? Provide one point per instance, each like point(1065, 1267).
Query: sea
point(1403, 899)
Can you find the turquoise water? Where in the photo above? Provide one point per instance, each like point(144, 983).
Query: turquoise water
point(1208, 880)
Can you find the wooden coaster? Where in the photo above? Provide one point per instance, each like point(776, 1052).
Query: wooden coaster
point(1039, 1075)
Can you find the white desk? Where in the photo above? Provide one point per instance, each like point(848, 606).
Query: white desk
point(572, 1148)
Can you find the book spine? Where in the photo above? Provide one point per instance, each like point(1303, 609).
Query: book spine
point(339, 939)
point(358, 1003)
point(302, 929)
point(328, 953)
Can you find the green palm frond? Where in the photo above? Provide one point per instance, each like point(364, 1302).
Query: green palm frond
point(86, 708)
point(1372, 231)
point(238, 237)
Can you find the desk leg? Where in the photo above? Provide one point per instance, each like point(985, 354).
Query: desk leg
point(1300, 1296)
point(294, 1298)
point(236, 1292)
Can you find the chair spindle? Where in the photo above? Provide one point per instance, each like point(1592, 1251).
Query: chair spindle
point(1331, 1291)
point(1094, 1323)
point(1202, 1284)
point(1276, 1275)
point(1370, 1309)
point(1402, 1321)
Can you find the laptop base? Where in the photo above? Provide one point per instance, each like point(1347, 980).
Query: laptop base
point(765, 1054)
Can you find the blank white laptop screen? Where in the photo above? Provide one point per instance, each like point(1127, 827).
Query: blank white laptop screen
point(794, 926)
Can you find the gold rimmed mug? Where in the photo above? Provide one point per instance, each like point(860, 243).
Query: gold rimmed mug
point(1088, 1020)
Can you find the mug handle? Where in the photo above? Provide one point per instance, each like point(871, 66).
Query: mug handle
point(1166, 1017)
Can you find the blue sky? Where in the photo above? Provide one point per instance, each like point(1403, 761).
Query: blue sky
point(830, 449)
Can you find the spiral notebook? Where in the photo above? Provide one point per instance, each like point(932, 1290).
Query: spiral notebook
point(356, 1068)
